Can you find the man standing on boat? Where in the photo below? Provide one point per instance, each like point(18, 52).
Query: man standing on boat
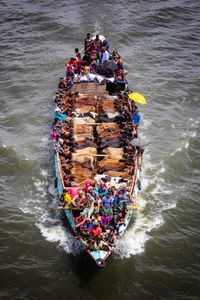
point(105, 55)
point(87, 42)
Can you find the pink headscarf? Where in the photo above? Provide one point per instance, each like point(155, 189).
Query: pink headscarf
point(53, 135)
point(87, 185)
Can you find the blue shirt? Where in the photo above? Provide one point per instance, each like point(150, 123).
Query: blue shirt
point(101, 191)
point(107, 202)
point(136, 118)
point(117, 201)
point(59, 116)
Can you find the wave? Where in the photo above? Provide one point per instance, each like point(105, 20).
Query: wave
point(152, 202)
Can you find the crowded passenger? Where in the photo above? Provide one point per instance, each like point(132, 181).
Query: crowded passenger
point(136, 118)
point(71, 67)
point(97, 43)
point(100, 208)
point(87, 42)
point(105, 55)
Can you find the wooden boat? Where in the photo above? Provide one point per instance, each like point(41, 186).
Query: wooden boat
point(100, 103)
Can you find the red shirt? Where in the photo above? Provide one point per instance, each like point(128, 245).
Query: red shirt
point(97, 44)
point(72, 64)
point(97, 231)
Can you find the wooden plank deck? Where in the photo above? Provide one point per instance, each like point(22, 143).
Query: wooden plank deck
point(90, 88)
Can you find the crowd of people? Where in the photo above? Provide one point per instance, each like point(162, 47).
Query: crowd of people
point(93, 61)
point(102, 208)
point(99, 209)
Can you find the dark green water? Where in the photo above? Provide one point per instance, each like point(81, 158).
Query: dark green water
point(158, 257)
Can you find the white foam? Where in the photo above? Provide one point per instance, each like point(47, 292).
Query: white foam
point(176, 150)
point(39, 185)
point(44, 173)
point(146, 123)
point(193, 134)
point(136, 237)
point(186, 145)
point(55, 234)
point(26, 210)
point(3, 145)
point(162, 168)
point(173, 126)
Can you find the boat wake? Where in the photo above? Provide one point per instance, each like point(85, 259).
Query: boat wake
point(42, 204)
point(153, 200)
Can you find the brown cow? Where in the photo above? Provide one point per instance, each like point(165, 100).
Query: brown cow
point(110, 133)
point(80, 173)
point(114, 153)
point(103, 126)
point(110, 162)
point(82, 137)
point(84, 155)
point(83, 128)
point(125, 173)
point(85, 109)
point(105, 105)
point(84, 120)
point(80, 101)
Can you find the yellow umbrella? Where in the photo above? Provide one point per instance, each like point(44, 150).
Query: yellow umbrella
point(137, 98)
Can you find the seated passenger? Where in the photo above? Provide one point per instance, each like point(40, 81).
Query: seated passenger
point(103, 246)
point(105, 220)
point(53, 134)
point(85, 75)
point(87, 184)
point(106, 45)
point(57, 124)
point(136, 118)
point(118, 197)
point(102, 189)
point(96, 206)
point(59, 115)
point(93, 192)
point(62, 84)
point(95, 216)
point(119, 73)
point(78, 57)
point(58, 148)
point(119, 222)
point(133, 107)
point(123, 208)
point(93, 67)
point(85, 227)
point(70, 82)
point(71, 67)
point(89, 203)
point(80, 220)
point(95, 231)
point(68, 200)
point(107, 200)
point(79, 199)
point(93, 54)
point(73, 190)
point(108, 211)
point(115, 54)
point(112, 190)
point(112, 239)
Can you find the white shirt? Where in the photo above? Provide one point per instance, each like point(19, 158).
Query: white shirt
point(105, 56)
